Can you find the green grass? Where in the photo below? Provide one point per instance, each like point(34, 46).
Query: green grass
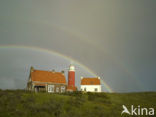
point(19, 103)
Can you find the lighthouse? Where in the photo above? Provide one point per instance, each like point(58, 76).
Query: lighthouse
point(71, 78)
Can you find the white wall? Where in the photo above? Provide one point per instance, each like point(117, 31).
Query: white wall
point(91, 88)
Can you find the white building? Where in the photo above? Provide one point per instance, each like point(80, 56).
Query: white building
point(90, 84)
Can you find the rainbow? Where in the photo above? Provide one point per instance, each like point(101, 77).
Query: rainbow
point(57, 54)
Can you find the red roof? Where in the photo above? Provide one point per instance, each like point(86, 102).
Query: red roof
point(90, 81)
point(48, 76)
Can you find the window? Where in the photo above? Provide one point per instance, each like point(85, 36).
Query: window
point(50, 88)
point(95, 89)
point(57, 89)
point(62, 89)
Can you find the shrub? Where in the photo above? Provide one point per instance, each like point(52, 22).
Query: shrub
point(99, 97)
point(74, 93)
point(76, 101)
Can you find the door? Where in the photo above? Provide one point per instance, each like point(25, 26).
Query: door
point(50, 88)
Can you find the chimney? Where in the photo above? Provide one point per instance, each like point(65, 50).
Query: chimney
point(81, 77)
point(62, 72)
point(31, 69)
point(98, 77)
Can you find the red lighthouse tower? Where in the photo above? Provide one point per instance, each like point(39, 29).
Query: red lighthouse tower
point(71, 78)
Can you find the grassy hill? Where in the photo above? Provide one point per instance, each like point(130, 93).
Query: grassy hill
point(20, 103)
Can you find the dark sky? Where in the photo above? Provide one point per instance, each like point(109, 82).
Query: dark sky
point(116, 39)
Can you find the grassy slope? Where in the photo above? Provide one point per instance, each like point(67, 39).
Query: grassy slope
point(26, 104)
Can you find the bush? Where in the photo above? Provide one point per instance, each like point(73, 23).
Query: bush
point(76, 101)
point(98, 97)
point(53, 105)
point(74, 93)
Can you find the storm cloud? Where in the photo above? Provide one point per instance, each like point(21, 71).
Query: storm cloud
point(115, 39)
